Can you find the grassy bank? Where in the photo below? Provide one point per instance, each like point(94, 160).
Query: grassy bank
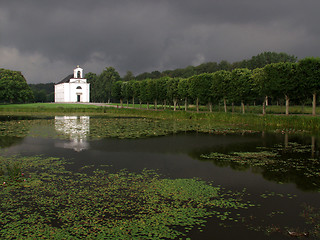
point(271, 109)
point(273, 122)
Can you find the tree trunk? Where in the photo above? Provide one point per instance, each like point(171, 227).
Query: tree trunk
point(232, 107)
point(267, 101)
point(147, 105)
point(210, 106)
point(121, 103)
point(127, 103)
point(156, 104)
point(186, 104)
point(264, 106)
point(243, 109)
point(287, 105)
point(140, 104)
point(225, 105)
point(133, 102)
point(197, 104)
point(314, 103)
point(174, 104)
point(165, 104)
point(313, 146)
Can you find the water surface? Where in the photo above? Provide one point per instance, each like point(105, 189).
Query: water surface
point(282, 196)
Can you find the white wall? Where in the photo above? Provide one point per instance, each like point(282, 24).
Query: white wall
point(59, 93)
point(67, 92)
point(83, 92)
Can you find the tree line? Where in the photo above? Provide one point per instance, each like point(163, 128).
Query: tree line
point(258, 61)
point(101, 85)
point(284, 81)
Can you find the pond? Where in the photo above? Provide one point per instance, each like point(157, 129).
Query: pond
point(72, 177)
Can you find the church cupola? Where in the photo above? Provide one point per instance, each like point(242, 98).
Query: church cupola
point(78, 72)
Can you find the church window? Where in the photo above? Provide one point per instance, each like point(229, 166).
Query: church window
point(79, 74)
point(79, 87)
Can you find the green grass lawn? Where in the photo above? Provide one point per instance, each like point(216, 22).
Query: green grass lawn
point(272, 109)
point(45, 105)
point(252, 119)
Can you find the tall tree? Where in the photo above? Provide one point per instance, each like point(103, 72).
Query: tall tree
point(220, 86)
point(172, 91)
point(128, 92)
point(152, 92)
point(43, 92)
point(264, 59)
point(14, 87)
point(183, 91)
point(92, 78)
point(105, 81)
point(260, 83)
point(116, 92)
point(241, 86)
point(143, 93)
point(282, 81)
point(308, 72)
point(135, 90)
point(162, 89)
point(224, 65)
point(128, 77)
point(199, 88)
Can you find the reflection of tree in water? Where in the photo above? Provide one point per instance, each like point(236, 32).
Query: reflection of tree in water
point(283, 163)
point(77, 130)
point(8, 141)
point(13, 129)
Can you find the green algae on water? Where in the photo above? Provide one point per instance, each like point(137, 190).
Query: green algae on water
point(55, 203)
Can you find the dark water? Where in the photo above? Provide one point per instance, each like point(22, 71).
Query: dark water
point(178, 156)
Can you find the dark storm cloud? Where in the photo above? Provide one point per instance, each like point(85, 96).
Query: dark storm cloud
point(45, 37)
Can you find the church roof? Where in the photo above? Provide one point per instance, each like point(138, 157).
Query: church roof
point(66, 79)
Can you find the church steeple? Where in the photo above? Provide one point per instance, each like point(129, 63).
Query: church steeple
point(78, 72)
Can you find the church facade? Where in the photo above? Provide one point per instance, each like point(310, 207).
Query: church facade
point(73, 88)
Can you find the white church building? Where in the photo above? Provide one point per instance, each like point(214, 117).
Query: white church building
point(74, 88)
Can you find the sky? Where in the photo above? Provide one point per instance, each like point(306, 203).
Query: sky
point(46, 40)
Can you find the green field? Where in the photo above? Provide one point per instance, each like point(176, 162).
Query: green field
point(251, 120)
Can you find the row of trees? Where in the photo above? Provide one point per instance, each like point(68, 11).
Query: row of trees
point(286, 80)
point(14, 87)
point(101, 85)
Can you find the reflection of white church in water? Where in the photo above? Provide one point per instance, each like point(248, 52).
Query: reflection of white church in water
point(74, 88)
point(76, 128)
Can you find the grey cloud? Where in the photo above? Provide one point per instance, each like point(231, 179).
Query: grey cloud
point(146, 35)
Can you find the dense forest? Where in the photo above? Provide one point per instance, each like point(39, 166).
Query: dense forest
point(43, 92)
point(13, 87)
point(258, 61)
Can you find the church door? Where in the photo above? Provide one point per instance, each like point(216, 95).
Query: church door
point(78, 98)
